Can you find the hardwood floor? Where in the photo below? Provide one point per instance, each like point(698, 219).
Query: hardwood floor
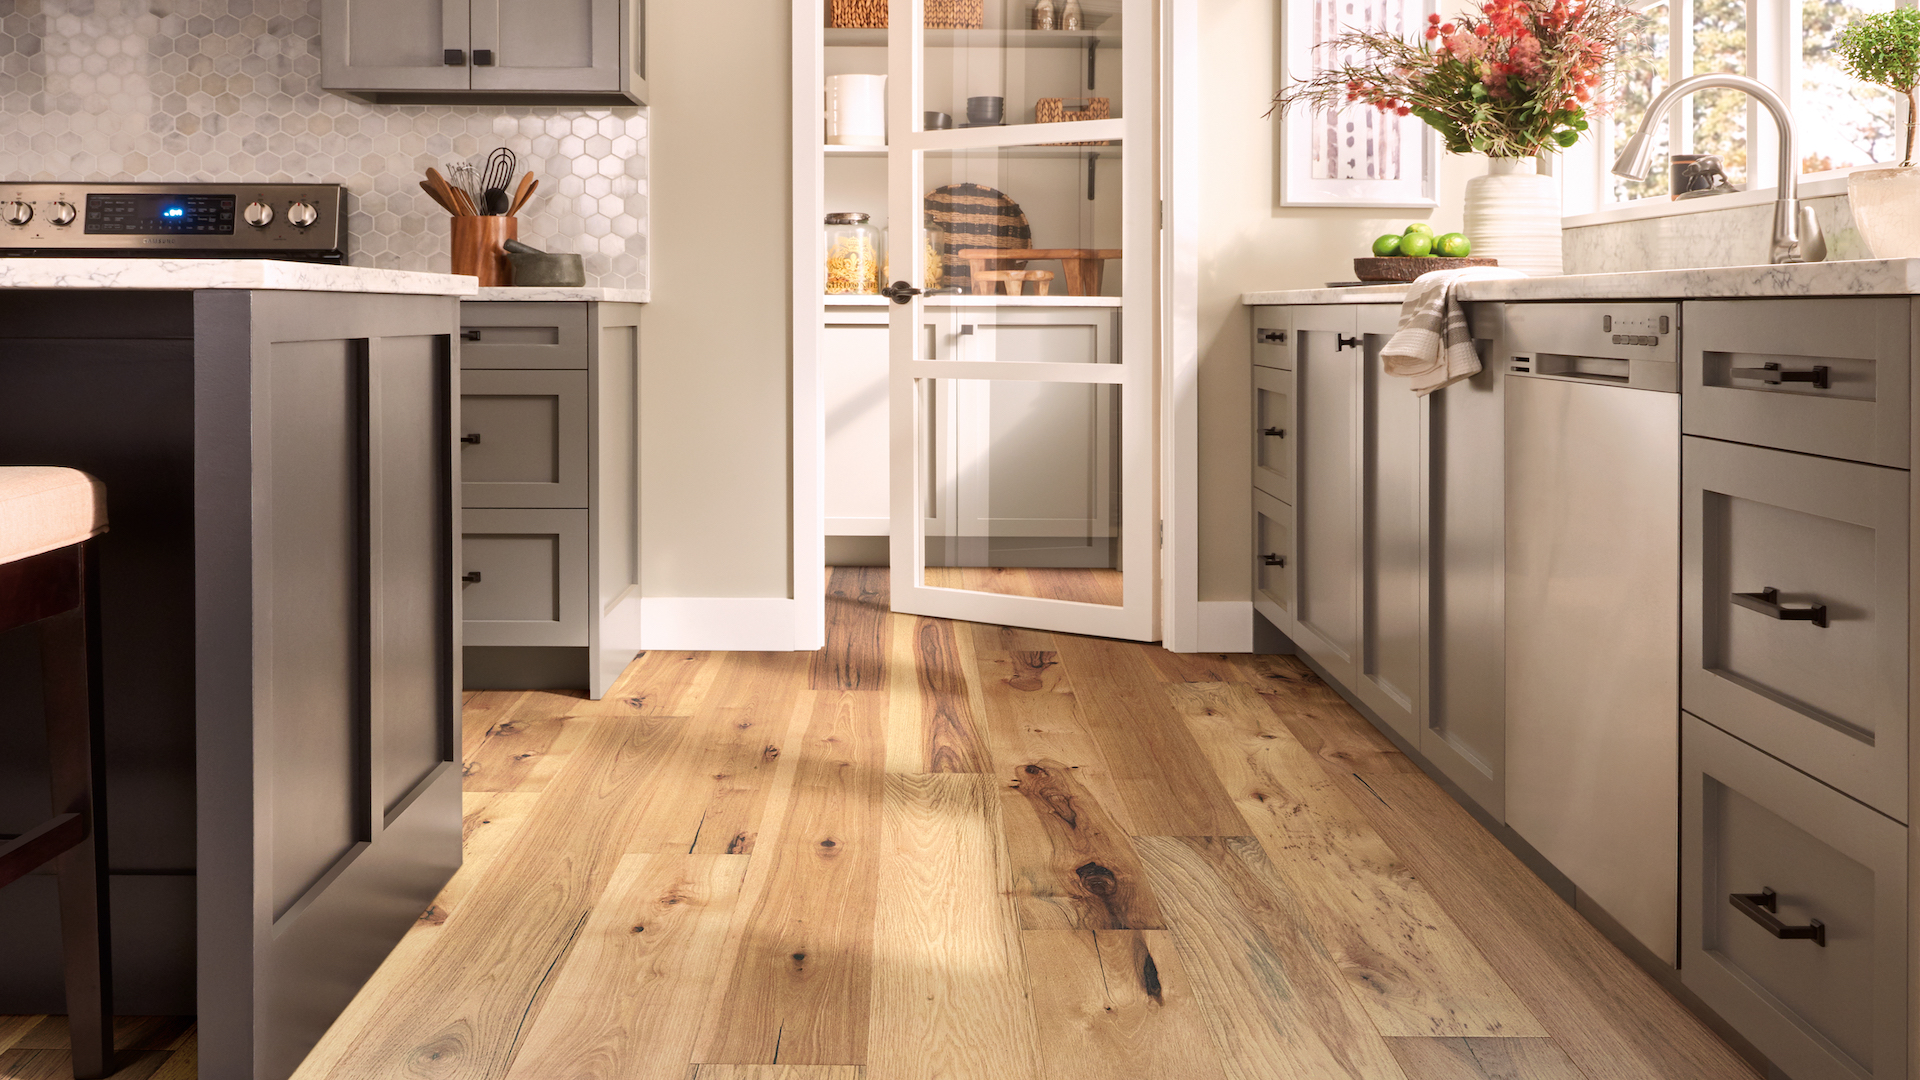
point(940, 851)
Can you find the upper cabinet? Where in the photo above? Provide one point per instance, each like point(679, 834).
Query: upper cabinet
point(499, 52)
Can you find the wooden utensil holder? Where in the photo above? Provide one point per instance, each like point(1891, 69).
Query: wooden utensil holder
point(479, 248)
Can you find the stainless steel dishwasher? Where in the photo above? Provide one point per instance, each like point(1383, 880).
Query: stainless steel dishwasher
point(1593, 577)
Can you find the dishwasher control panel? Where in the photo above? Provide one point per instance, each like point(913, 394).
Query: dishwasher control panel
point(1635, 345)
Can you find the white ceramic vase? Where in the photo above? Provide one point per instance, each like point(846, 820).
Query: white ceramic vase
point(1886, 211)
point(1513, 215)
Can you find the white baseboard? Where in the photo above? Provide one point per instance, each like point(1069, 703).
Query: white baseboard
point(1226, 626)
point(717, 623)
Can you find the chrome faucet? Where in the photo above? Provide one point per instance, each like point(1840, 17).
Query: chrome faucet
point(1796, 235)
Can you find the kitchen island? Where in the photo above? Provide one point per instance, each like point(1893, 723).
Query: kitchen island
point(1665, 532)
point(280, 627)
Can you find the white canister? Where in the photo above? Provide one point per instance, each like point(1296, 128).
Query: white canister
point(856, 110)
point(1513, 215)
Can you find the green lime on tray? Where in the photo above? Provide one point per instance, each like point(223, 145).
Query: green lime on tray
point(1387, 246)
point(1416, 244)
point(1419, 227)
point(1453, 246)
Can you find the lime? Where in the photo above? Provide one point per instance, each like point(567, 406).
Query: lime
point(1416, 244)
point(1419, 227)
point(1453, 245)
point(1387, 245)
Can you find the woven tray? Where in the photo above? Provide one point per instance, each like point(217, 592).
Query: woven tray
point(1053, 110)
point(1407, 267)
point(941, 14)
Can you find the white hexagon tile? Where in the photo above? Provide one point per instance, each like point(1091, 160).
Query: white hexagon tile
point(214, 90)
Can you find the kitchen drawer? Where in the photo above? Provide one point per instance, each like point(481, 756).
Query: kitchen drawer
point(532, 584)
point(1863, 344)
point(1273, 424)
point(523, 439)
point(1836, 1011)
point(1273, 562)
point(1829, 700)
point(510, 334)
point(1273, 337)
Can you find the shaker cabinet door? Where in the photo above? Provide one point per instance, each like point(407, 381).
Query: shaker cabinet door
point(1393, 560)
point(545, 45)
point(523, 439)
point(393, 44)
point(1327, 505)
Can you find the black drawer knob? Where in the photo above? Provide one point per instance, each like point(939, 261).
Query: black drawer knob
point(1762, 907)
point(471, 577)
point(1767, 602)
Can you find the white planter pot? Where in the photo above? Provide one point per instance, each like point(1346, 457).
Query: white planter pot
point(1886, 210)
point(1513, 215)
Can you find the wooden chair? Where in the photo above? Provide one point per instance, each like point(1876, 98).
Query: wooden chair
point(48, 576)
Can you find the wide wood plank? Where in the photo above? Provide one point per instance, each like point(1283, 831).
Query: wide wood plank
point(13, 1028)
point(1196, 667)
point(1410, 966)
point(796, 979)
point(949, 982)
point(184, 1062)
point(1116, 1003)
point(1483, 1059)
point(1321, 719)
point(721, 778)
point(1072, 865)
point(855, 657)
point(144, 1046)
point(462, 1008)
point(1164, 779)
point(933, 725)
point(657, 683)
point(1273, 1002)
point(626, 1004)
point(1083, 586)
point(520, 754)
point(778, 1072)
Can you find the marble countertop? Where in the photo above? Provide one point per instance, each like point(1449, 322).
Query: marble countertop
point(194, 274)
point(1859, 277)
point(587, 294)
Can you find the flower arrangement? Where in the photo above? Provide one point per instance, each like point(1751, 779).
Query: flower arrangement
point(1512, 79)
point(1884, 49)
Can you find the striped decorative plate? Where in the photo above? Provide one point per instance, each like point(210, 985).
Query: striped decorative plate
point(973, 216)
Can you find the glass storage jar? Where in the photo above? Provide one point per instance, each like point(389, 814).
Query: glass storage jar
point(853, 255)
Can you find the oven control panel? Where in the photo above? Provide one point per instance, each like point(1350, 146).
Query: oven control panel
point(285, 220)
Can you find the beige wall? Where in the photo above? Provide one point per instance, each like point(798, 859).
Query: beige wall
point(1249, 242)
point(715, 510)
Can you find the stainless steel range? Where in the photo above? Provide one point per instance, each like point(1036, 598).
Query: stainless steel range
point(301, 222)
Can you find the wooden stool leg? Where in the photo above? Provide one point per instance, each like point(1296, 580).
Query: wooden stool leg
point(70, 652)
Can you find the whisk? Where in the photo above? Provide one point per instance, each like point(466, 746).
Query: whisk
point(466, 177)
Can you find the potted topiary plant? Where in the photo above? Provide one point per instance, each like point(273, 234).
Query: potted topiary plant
point(1884, 49)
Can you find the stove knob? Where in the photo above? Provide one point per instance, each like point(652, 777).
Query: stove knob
point(62, 213)
point(259, 215)
point(17, 212)
point(301, 215)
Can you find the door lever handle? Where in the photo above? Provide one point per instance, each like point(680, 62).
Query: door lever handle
point(1773, 376)
point(1767, 602)
point(1761, 908)
point(900, 292)
point(1342, 341)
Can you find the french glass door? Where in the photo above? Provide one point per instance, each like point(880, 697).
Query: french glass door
point(1020, 177)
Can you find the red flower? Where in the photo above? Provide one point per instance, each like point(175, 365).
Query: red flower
point(1446, 28)
point(1434, 19)
point(1403, 110)
point(1432, 33)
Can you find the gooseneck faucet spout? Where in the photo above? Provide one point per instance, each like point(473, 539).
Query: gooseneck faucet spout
point(1796, 235)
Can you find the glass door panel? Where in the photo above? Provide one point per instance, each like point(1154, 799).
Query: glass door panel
point(1020, 386)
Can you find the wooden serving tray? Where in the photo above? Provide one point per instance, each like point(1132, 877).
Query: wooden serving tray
point(1408, 267)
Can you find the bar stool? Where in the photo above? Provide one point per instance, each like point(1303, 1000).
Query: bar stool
point(48, 576)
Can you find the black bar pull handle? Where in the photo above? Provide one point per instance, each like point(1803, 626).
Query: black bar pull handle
point(1771, 374)
point(471, 440)
point(1278, 433)
point(1271, 337)
point(1342, 341)
point(1767, 602)
point(1761, 908)
point(1274, 560)
point(471, 577)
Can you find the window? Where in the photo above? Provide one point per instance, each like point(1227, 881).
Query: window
point(1841, 123)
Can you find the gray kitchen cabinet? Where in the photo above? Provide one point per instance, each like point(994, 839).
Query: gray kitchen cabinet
point(556, 52)
point(1765, 848)
point(1392, 505)
point(550, 460)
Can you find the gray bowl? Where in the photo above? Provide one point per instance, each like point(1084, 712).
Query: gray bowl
point(547, 270)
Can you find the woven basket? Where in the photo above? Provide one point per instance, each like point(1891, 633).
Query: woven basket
point(972, 216)
point(1053, 110)
point(941, 14)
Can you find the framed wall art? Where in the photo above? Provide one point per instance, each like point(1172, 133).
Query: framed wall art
point(1357, 156)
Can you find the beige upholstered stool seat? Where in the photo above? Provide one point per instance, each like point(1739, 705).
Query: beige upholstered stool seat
point(43, 508)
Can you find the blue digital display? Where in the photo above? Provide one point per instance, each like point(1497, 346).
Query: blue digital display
point(160, 215)
point(174, 212)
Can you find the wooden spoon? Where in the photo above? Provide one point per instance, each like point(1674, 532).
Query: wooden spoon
point(522, 193)
point(450, 195)
point(435, 196)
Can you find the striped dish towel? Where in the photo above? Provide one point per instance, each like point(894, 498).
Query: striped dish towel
point(1433, 346)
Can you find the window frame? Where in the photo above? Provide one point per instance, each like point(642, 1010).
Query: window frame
point(1774, 57)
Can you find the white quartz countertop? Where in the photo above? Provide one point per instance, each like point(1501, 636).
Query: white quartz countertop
point(589, 294)
point(194, 274)
point(1858, 277)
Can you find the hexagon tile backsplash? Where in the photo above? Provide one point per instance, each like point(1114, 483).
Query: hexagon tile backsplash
point(213, 90)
